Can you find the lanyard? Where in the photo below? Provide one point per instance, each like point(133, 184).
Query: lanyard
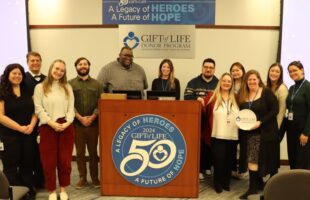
point(294, 94)
point(226, 106)
point(251, 101)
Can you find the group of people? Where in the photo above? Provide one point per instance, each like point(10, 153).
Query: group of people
point(41, 117)
point(277, 109)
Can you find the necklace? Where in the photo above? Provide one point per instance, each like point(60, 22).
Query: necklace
point(251, 101)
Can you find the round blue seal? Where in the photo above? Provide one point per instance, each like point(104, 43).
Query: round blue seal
point(149, 150)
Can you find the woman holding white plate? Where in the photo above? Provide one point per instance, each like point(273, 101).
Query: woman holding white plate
point(262, 140)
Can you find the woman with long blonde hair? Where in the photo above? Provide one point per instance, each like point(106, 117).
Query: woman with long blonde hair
point(221, 109)
point(54, 106)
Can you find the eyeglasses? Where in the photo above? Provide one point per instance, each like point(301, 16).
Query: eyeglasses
point(208, 67)
point(127, 55)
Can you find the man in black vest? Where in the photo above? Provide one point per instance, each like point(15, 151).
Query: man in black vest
point(33, 77)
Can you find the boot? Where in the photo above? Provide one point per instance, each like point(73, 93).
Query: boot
point(253, 186)
point(261, 183)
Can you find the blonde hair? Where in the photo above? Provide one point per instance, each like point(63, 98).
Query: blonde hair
point(48, 81)
point(217, 96)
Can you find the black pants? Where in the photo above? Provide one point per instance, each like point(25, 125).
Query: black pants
point(37, 166)
point(242, 166)
point(222, 154)
point(298, 156)
point(243, 162)
point(17, 159)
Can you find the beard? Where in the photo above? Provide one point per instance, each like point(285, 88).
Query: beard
point(83, 72)
point(208, 76)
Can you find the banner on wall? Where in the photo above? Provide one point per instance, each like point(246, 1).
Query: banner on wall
point(158, 12)
point(155, 41)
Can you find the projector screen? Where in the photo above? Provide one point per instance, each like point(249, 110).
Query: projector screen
point(14, 33)
point(295, 43)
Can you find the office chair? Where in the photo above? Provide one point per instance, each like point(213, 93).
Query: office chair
point(289, 185)
point(8, 192)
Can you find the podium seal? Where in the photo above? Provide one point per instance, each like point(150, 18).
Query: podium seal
point(148, 150)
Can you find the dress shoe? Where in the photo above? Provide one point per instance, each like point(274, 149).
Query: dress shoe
point(81, 184)
point(247, 193)
point(96, 183)
point(226, 188)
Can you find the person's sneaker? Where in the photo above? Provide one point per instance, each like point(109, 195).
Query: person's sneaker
point(52, 196)
point(234, 174)
point(201, 177)
point(208, 172)
point(243, 175)
point(96, 184)
point(80, 184)
point(63, 196)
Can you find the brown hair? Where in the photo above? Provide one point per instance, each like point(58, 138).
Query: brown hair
point(171, 83)
point(280, 80)
point(244, 91)
point(33, 53)
point(80, 59)
point(240, 66)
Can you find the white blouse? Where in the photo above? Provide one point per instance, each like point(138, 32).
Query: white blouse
point(224, 126)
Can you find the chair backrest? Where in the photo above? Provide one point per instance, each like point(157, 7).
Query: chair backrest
point(4, 186)
point(288, 185)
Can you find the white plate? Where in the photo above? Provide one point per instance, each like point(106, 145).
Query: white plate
point(246, 119)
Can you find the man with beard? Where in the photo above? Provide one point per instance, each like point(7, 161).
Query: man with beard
point(200, 86)
point(86, 95)
point(32, 78)
point(123, 74)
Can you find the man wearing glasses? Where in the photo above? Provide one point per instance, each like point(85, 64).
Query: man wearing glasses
point(202, 84)
point(199, 87)
point(123, 74)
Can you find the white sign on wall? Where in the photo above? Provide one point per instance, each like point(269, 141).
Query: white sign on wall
point(159, 41)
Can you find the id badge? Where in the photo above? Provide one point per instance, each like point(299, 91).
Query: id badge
point(228, 119)
point(286, 113)
point(1, 146)
point(290, 116)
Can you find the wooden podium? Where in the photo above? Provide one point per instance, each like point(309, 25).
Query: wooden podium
point(184, 114)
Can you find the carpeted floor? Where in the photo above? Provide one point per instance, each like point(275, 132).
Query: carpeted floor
point(207, 192)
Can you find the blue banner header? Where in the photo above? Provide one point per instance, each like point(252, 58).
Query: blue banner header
point(158, 12)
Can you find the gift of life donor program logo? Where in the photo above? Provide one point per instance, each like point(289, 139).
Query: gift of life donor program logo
point(131, 40)
point(149, 150)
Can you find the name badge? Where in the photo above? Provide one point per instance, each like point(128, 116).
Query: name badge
point(290, 116)
point(286, 113)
